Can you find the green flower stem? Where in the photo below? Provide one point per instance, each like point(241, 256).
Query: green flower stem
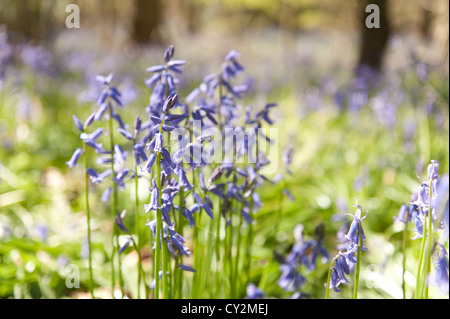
point(327, 287)
point(229, 239)
point(137, 222)
point(158, 228)
point(140, 269)
point(425, 252)
point(178, 272)
point(249, 242)
point(207, 262)
point(238, 250)
point(430, 240)
point(166, 271)
point(151, 242)
point(404, 241)
point(88, 213)
point(198, 253)
point(265, 275)
point(358, 263)
point(217, 244)
point(419, 268)
point(115, 203)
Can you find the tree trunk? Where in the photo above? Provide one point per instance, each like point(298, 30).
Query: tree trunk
point(374, 40)
point(146, 19)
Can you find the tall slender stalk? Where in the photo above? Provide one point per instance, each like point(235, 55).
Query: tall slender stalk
point(217, 244)
point(249, 242)
point(137, 221)
point(230, 249)
point(178, 287)
point(430, 239)
point(158, 227)
point(198, 252)
point(265, 275)
point(404, 240)
point(140, 268)
point(238, 250)
point(327, 287)
point(88, 213)
point(358, 263)
point(166, 270)
point(114, 205)
point(425, 251)
point(419, 268)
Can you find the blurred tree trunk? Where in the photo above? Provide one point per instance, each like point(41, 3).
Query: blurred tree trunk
point(22, 17)
point(427, 18)
point(146, 19)
point(28, 19)
point(373, 40)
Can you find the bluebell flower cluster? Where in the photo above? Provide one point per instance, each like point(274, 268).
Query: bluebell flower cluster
point(439, 277)
point(213, 104)
point(346, 259)
point(432, 197)
point(254, 292)
point(420, 204)
point(302, 258)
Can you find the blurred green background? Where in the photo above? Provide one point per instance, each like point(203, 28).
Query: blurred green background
point(352, 138)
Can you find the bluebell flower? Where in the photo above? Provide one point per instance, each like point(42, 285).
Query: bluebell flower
point(342, 268)
point(334, 280)
point(208, 210)
point(356, 226)
point(119, 221)
point(156, 143)
point(217, 189)
point(419, 206)
point(254, 292)
point(183, 181)
point(74, 159)
point(152, 225)
point(109, 90)
point(119, 178)
point(150, 162)
point(140, 153)
point(78, 123)
point(290, 279)
point(125, 245)
point(101, 111)
point(175, 242)
point(106, 195)
point(90, 139)
point(120, 156)
point(154, 204)
point(403, 214)
point(246, 214)
point(89, 120)
point(98, 178)
point(186, 268)
point(440, 276)
point(188, 214)
point(126, 134)
point(152, 284)
point(163, 78)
